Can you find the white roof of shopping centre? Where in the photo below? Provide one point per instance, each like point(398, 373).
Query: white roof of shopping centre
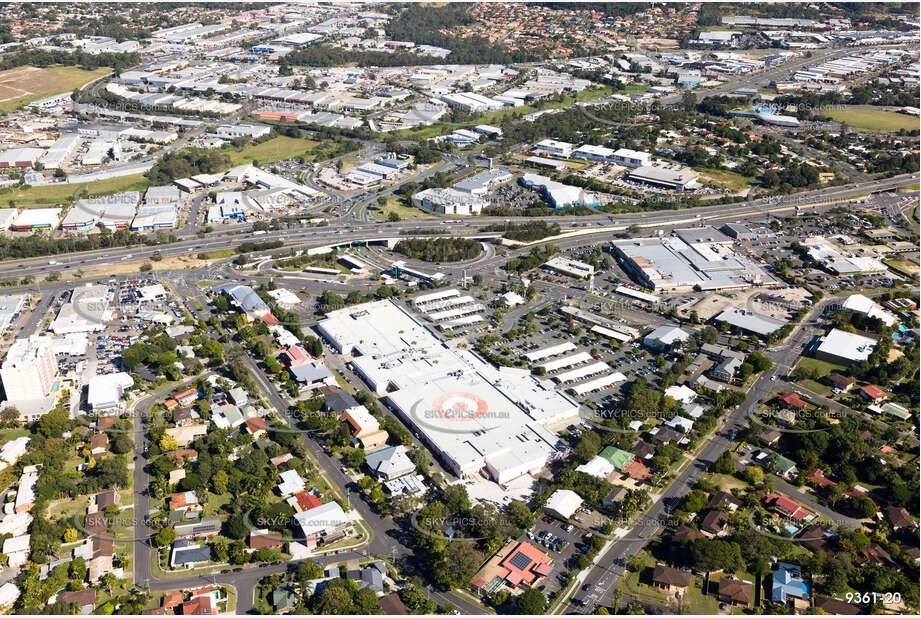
point(468, 411)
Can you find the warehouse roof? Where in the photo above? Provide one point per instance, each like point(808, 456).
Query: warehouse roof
point(750, 321)
point(847, 345)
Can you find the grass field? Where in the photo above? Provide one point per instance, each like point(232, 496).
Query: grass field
point(51, 195)
point(815, 387)
point(906, 267)
point(874, 120)
point(823, 367)
point(23, 85)
point(726, 482)
point(275, 149)
point(7, 435)
point(394, 205)
point(724, 179)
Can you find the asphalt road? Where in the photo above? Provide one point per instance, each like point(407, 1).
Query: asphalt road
point(377, 232)
point(602, 579)
point(388, 538)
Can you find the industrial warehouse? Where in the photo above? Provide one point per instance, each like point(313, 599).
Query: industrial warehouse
point(471, 414)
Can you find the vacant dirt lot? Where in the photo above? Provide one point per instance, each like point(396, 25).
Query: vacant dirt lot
point(24, 84)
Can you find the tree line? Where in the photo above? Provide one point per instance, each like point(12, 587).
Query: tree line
point(439, 249)
point(46, 58)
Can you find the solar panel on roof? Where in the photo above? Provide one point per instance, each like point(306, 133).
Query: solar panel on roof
point(200, 529)
point(520, 561)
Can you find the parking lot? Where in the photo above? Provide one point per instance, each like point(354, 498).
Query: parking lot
point(631, 359)
point(561, 542)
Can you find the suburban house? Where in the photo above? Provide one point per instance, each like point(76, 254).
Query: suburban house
point(184, 501)
point(263, 539)
point(786, 507)
point(256, 427)
point(787, 583)
point(199, 529)
point(390, 463)
point(734, 592)
point(873, 393)
point(671, 580)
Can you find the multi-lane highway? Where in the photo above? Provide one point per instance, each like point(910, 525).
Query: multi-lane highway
point(350, 231)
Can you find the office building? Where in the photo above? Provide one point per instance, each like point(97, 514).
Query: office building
point(30, 369)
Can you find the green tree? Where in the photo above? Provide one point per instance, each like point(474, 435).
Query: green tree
point(165, 537)
point(863, 506)
point(531, 602)
point(458, 564)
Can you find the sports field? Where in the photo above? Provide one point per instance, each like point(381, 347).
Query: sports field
point(874, 120)
point(23, 85)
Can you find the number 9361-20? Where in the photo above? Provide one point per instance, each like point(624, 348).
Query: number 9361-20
point(873, 597)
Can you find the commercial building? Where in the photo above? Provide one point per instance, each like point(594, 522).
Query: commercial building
point(480, 184)
point(672, 265)
point(593, 153)
point(557, 194)
point(749, 321)
point(862, 304)
point(554, 164)
point(470, 414)
point(112, 212)
point(164, 195)
point(9, 594)
point(299, 39)
point(11, 451)
point(60, 151)
point(10, 307)
point(231, 131)
point(87, 311)
point(7, 216)
point(665, 337)
point(104, 392)
point(37, 219)
point(684, 179)
point(20, 157)
point(825, 253)
point(571, 267)
point(631, 158)
point(563, 503)
point(550, 146)
point(740, 232)
point(844, 348)
point(472, 102)
point(30, 369)
point(154, 217)
point(448, 202)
